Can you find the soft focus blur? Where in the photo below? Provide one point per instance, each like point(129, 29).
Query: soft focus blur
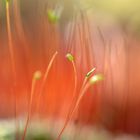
point(104, 34)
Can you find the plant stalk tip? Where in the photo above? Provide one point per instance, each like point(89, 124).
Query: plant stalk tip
point(90, 72)
point(96, 78)
point(37, 75)
point(70, 57)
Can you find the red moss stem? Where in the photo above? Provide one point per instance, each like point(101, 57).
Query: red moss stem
point(45, 78)
point(12, 58)
point(36, 76)
point(84, 88)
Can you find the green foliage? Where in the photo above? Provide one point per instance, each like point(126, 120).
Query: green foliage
point(7, 1)
point(39, 137)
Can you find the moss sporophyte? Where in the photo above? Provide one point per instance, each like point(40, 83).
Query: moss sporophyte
point(53, 17)
point(38, 71)
point(85, 86)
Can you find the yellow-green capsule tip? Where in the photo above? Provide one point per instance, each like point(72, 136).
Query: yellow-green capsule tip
point(37, 75)
point(90, 72)
point(96, 78)
point(52, 16)
point(70, 57)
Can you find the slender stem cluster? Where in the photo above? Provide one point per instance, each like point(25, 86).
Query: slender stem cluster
point(36, 77)
point(87, 82)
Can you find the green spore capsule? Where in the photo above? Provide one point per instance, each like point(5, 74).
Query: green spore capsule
point(96, 78)
point(52, 16)
point(70, 57)
point(90, 72)
point(37, 75)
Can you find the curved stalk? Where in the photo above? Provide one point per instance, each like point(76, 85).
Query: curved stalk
point(12, 59)
point(36, 77)
point(45, 77)
point(72, 110)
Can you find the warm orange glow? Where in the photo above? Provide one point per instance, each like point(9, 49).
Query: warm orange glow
point(34, 44)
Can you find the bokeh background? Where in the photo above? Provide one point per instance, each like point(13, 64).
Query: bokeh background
point(110, 32)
